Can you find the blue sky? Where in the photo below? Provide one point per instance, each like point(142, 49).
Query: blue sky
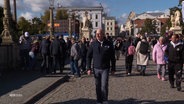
point(118, 8)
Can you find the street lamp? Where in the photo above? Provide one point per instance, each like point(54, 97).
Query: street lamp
point(69, 21)
point(51, 17)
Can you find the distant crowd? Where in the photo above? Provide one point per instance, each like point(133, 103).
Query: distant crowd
point(167, 52)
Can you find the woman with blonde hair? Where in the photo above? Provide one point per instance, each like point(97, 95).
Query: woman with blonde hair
point(158, 58)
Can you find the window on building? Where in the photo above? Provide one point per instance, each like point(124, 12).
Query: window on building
point(107, 28)
point(96, 16)
point(96, 24)
point(111, 23)
point(111, 28)
point(107, 23)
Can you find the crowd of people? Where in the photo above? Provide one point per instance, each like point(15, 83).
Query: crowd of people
point(99, 55)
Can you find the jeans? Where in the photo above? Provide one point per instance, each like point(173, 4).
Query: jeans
point(101, 81)
point(161, 69)
point(74, 67)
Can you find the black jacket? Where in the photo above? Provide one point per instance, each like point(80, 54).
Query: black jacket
point(45, 47)
point(175, 54)
point(102, 55)
point(55, 47)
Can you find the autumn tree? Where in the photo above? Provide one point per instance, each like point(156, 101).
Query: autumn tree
point(61, 14)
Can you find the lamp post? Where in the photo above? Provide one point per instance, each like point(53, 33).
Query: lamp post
point(70, 23)
point(51, 17)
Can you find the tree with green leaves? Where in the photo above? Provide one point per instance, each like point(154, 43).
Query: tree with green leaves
point(23, 25)
point(46, 17)
point(149, 27)
point(61, 14)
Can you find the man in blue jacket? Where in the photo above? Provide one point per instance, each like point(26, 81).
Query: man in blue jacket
point(102, 53)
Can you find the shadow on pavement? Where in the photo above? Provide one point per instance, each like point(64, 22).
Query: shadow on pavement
point(16, 79)
point(126, 101)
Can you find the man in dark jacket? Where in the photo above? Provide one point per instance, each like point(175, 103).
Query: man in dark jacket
point(83, 46)
point(56, 50)
point(63, 54)
point(102, 52)
point(175, 54)
point(45, 52)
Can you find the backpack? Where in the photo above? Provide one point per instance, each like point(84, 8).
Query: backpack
point(144, 47)
point(131, 50)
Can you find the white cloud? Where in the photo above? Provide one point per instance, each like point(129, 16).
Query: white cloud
point(31, 8)
point(124, 15)
point(167, 11)
point(27, 15)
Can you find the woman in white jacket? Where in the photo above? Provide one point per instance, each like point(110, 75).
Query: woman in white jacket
point(142, 59)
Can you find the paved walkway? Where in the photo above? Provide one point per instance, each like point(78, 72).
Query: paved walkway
point(123, 89)
point(31, 86)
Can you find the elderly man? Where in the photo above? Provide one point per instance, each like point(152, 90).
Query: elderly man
point(175, 54)
point(102, 52)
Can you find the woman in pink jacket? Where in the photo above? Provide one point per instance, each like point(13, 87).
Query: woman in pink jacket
point(158, 58)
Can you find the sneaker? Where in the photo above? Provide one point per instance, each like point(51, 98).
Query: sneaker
point(158, 76)
point(128, 74)
point(163, 79)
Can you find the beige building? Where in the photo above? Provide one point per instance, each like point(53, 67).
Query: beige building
point(159, 18)
point(129, 23)
point(109, 25)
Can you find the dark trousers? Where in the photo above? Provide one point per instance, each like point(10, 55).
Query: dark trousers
point(45, 62)
point(24, 56)
point(83, 63)
point(128, 63)
point(56, 61)
point(176, 69)
point(101, 81)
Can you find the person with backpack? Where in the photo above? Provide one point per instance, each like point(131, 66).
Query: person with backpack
point(142, 50)
point(129, 55)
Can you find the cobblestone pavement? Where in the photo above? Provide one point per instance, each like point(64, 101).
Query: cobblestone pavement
point(134, 89)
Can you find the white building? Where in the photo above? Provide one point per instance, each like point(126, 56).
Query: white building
point(94, 12)
point(109, 25)
point(159, 18)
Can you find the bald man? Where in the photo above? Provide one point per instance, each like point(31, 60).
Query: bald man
point(102, 53)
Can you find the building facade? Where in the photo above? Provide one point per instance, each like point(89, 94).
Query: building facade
point(62, 26)
point(158, 18)
point(110, 25)
point(95, 14)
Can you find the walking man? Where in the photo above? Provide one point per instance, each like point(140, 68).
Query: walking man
point(175, 54)
point(102, 53)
